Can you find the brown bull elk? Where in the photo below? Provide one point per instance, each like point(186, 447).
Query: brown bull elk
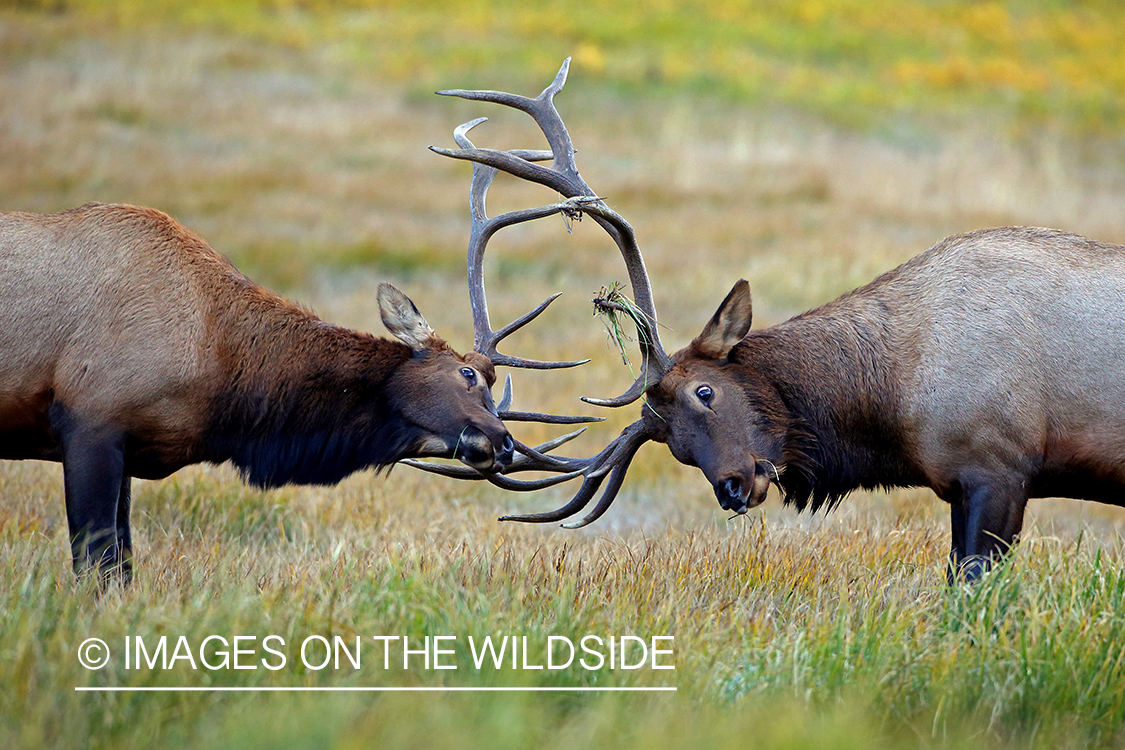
point(130, 348)
point(990, 368)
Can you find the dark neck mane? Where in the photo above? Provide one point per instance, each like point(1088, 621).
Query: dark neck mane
point(833, 370)
point(305, 401)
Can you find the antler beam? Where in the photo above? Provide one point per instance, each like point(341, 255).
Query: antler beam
point(562, 177)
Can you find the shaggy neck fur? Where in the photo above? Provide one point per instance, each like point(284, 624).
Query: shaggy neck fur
point(832, 371)
point(308, 402)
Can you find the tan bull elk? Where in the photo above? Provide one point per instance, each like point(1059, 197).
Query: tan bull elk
point(130, 348)
point(990, 368)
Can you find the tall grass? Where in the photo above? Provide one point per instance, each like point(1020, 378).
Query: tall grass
point(801, 635)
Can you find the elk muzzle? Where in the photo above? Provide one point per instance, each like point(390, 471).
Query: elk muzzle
point(476, 449)
point(739, 491)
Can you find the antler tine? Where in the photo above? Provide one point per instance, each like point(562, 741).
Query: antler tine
point(532, 459)
point(580, 500)
point(481, 231)
point(506, 396)
point(504, 411)
point(501, 480)
point(517, 485)
point(616, 478)
point(563, 177)
point(542, 110)
point(537, 416)
point(613, 461)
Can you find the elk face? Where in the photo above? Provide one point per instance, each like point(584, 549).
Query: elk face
point(712, 415)
point(445, 397)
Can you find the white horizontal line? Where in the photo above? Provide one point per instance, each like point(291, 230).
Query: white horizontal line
point(239, 689)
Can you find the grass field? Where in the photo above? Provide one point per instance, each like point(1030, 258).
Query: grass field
point(806, 147)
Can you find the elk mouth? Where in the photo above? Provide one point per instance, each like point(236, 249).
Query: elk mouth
point(739, 493)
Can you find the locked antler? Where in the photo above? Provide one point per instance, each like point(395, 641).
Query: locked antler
point(562, 176)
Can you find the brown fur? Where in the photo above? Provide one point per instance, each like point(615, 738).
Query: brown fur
point(123, 333)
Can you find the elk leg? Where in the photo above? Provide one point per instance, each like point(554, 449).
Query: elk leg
point(985, 525)
point(94, 482)
point(124, 559)
point(957, 553)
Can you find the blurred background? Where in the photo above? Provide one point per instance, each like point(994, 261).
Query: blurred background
point(806, 146)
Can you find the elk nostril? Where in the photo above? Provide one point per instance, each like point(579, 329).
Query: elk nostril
point(508, 445)
point(733, 488)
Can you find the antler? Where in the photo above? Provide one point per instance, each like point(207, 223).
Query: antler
point(613, 461)
point(481, 232)
point(562, 176)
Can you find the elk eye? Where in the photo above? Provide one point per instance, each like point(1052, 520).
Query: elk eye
point(470, 374)
point(704, 393)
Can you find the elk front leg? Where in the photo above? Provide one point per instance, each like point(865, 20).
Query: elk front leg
point(985, 520)
point(96, 486)
point(124, 559)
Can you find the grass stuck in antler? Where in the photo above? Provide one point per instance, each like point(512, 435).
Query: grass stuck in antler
point(609, 303)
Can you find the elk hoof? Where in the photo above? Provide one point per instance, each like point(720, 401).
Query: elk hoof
point(970, 570)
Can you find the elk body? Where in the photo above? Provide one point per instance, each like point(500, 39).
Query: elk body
point(989, 368)
point(129, 348)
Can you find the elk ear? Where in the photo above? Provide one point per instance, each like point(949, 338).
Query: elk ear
point(402, 319)
point(728, 326)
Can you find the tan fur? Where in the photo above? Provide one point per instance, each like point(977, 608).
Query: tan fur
point(85, 296)
point(402, 319)
point(990, 368)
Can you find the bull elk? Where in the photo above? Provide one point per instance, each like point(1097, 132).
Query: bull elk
point(130, 348)
point(989, 369)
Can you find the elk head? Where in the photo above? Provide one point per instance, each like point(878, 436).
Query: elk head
point(447, 397)
point(711, 414)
